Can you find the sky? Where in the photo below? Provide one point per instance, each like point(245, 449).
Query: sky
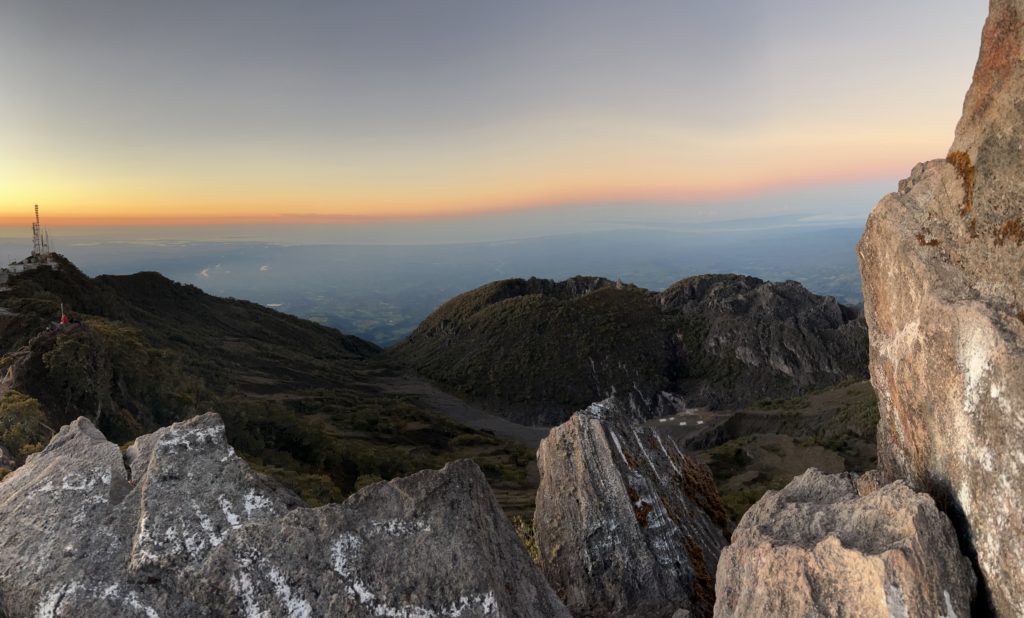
point(315, 112)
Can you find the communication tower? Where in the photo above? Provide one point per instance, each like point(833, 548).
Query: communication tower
point(40, 239)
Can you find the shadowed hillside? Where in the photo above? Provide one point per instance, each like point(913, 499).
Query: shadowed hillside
point(536, 350)
point(300, 401)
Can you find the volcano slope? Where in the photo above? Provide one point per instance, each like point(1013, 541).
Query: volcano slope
point(302, 402)
point(536, 350)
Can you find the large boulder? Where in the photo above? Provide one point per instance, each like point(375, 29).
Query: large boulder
point(626, 524)
point(820, 548)
point(180, 526)
point(942, 263)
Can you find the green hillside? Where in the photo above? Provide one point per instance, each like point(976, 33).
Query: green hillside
point(300, 401)
point(537, 350)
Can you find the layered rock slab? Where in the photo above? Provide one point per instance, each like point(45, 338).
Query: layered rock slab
point(820, 548)
point(179, 526)
point(626, 524)
point(942, 263)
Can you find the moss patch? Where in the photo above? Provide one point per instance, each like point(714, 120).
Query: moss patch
point(525, 532)
point(641, 509)
point(962, 162)
point(703, 583)
point(699, 485)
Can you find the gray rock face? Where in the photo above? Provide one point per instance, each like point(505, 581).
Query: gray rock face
point(626, 524)
point(742, 339)
point(942, 263)
point(820, 548)
point(191, 531)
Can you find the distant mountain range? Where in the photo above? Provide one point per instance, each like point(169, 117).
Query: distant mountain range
point(381, 292)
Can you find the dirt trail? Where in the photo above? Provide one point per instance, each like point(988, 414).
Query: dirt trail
point(458, 410)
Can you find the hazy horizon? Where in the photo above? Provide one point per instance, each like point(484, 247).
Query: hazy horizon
point(379, 282)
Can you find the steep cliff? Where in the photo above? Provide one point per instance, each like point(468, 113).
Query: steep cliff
point(626, 524)
point(942, 262)
point(819, 547)
point(179, 526)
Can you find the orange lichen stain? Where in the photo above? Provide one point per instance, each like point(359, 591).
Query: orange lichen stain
point(703, 583)
point(641, 509)
point(699, 486)
point(962, 162)
point(630, 460)
point(1013, 229)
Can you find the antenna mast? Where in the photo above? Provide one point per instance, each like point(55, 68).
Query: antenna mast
point(37, 241)
point(40, 238)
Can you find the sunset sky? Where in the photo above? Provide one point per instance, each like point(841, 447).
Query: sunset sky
point(144, 111)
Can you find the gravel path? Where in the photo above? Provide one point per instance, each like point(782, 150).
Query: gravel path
point(463, 412)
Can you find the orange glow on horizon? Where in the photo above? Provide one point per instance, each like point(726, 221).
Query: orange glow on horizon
point(770, 181)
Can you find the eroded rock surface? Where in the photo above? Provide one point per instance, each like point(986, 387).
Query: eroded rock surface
point(820, 548)
point(942, 263)
point(179, 526)
point(626, 524)
point(743, 339)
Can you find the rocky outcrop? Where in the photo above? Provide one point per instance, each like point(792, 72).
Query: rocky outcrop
point(626, 524)
point(741, 339)
point(820, 548)
point(179, 526)
point(942, 263)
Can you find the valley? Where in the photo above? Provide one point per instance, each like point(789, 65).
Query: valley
point(764, 446)
point(327, 414)
point(511, 310)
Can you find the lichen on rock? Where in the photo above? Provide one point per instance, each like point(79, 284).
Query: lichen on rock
point(819, 547)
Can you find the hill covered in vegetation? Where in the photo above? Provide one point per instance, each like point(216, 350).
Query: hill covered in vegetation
point(300, 401)
point(536, 350)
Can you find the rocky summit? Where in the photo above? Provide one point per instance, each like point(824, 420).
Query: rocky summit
point(820, 548)
point(626, 524)
point(942, 262)
point(179, 526)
